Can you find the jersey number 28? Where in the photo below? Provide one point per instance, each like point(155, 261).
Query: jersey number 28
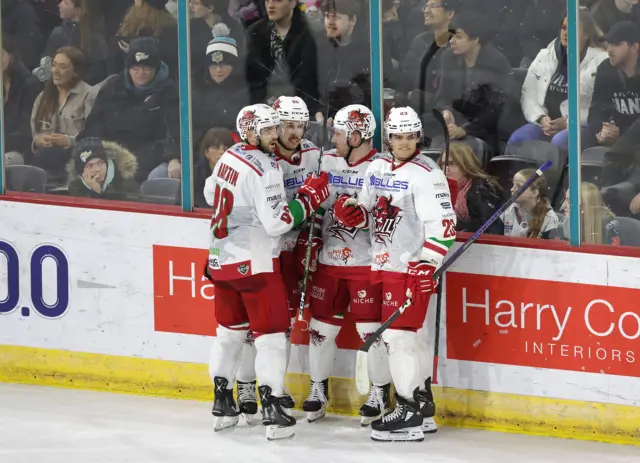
point(449, 228)
point(222, 206)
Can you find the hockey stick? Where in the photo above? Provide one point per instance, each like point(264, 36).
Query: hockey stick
point(362, 373)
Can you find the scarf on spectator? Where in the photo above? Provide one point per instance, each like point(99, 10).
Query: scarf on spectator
point(462, 211)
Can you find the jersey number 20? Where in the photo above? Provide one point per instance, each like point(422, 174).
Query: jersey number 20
point(222, 206)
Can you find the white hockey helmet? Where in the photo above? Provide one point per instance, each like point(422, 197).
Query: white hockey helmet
point(402, 120)
point(256, 117)
point(356, 118)
point(291, 108)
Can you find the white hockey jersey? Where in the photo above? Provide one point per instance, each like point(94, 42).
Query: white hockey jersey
point(516, 222)
point(251, 213)
point(410, 212)
point(347, 251)
point(294, 173)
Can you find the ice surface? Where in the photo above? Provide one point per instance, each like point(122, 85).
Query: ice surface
point(52, 425)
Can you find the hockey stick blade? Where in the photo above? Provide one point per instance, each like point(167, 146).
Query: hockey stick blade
point(456, 255)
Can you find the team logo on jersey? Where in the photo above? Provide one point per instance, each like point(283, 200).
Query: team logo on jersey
point(343, 254)
point(386, 219)
point(243, 269)
point(381, 258)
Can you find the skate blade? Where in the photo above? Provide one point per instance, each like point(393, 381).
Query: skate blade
point(429, 426)
point(403, 435)
point(248, 418)
point(367, 420)
point(220, 423)
point(315, 416)
point(275, 432)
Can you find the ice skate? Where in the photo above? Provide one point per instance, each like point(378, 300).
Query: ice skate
point(225, 410)
point(404, 424)
point(280, 425)
point(427, 408)
point(286, 401)
point(316, 404)
point(247, 400)
point(376, 405)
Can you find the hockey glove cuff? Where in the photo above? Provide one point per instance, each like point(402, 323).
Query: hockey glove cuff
point(350, 213)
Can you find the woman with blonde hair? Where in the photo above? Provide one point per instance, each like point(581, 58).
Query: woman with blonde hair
point(531, 216)
point(146, 18)
point(598, 224)
point(479, 194)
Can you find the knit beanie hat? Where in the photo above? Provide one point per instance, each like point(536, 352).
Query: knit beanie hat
point(143, 51)
point(222, 49)
point(86, 150)
point(158, 4)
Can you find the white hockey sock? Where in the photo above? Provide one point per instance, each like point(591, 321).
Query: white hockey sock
point(271, 361)
point(225, 354)
point(425, 356)
point(378, 360)
point(322, 349)
point(247, 368)
point(403, 360)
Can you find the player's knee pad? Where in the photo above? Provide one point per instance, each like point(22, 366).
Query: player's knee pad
point(366, 329)
point(321, 331)
point(403, 360)
point(322, 348)
point(225, 353)
point(378, 359)
point(271, 361)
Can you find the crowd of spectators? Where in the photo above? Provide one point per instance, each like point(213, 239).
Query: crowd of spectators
point(91, 92)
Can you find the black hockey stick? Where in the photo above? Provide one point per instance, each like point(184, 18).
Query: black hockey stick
point(362, 373)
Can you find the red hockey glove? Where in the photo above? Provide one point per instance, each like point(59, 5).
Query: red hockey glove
point(453, 191)
point(420, 279)
point(300, 252)
point(349, 212)
point(314, 191)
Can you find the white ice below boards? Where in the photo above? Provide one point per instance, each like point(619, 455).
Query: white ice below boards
point(68, 426)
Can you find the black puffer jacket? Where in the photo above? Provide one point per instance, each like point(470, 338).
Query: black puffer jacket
point(144, 121)
point(20, 22)
point(482, 203)
point(68, 34)
point(17, 109)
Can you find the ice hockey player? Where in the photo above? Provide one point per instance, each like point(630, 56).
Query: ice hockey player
point(250, 216)
point(406, 203)
point(298, 158)
point(343, 277)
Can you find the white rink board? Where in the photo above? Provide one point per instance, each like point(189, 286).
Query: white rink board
point(114, 250)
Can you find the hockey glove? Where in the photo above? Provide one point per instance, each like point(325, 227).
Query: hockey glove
point(420, 279)
point(350, 213)
point(300, 252)
point(313, 192)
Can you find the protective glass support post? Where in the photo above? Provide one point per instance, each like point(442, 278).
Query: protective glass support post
point(184, 66)
point(377, 71)
point(575, 153)
point(2, 176)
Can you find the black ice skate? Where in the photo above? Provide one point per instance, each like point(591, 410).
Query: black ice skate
point(225, 410)
point(286, 401)
point(427, 408)
point(247, 400)
point(316, 403)
point(379, 402)
point(404, 424)
point(280, 425)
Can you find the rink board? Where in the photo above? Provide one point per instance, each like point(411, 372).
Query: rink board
point(532, 340)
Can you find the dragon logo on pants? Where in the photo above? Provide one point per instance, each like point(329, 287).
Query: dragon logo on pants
point(386, 219)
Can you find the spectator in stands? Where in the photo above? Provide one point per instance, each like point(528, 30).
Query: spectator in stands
point(344, 56)
point(48, 16)
point(146, 18)
point(248, 11)
point(394, 36)
point(282, 55)
point(103, 170)
point(606, 13)
point(20, 22)
point(437, 16)
point(615, 109)
point(138, 109)
point(206, 15)
point(218, 103)
point(544, 94)
point(213, 145)
point(531, 216)
point(60, 111)
point(479, 194)
point(19, 93)
point(539, 27)
point(411, 14)
point(471, 96)
point(598, 224)
point(81, 28)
